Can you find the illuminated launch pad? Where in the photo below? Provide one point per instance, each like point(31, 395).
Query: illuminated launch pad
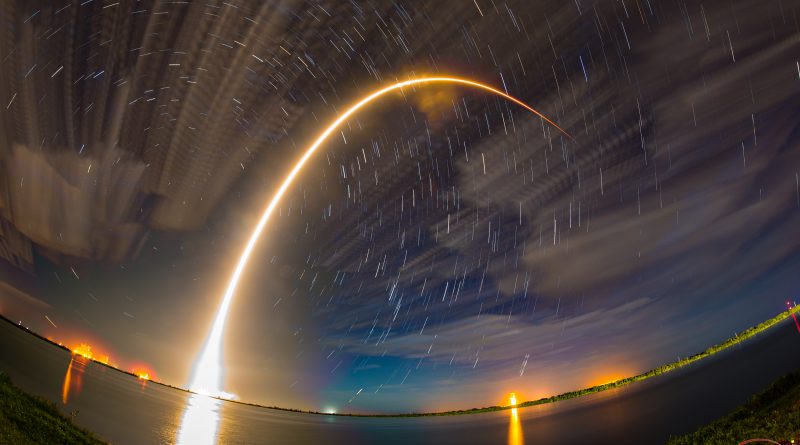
point(207, 377)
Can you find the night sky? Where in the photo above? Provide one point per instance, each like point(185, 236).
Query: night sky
point(446, 247)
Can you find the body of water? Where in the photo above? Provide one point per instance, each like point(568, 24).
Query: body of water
point(126, 410)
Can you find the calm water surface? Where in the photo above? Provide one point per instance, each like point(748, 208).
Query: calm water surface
point(126, 410)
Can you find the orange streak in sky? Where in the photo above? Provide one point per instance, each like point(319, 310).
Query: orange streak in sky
point(208, 371)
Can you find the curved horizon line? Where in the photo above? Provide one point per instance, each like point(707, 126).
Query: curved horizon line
point(207, 374)
point(753, 331)
point(747, 334)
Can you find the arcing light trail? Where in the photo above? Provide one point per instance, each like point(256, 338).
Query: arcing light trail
point(207, 377)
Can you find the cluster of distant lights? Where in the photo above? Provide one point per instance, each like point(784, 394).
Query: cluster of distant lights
point(84, 350)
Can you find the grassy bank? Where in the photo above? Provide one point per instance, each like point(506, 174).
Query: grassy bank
point(26, 419)
point(773, 414)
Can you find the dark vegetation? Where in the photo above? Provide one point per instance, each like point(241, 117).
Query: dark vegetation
point(773, 414)
point(26, 419)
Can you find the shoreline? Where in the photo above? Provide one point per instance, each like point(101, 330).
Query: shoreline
point(737, 339)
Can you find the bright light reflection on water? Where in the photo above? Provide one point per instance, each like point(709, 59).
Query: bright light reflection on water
point(200, 421)
point(515, 436)
point(73, 379)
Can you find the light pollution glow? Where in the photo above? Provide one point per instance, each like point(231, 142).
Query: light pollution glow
point(515, 436)
point(85, 351)
point(207, 378)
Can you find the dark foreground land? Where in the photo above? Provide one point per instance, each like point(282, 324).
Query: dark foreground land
point(774, 414)
point(26, 419)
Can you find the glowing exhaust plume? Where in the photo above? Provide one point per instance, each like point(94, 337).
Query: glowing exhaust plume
point(207, 377)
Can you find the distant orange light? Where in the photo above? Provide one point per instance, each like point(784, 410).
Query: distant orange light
point(512, 399)
point(609, 378)
point(83, 350)
point(143, 373)
point(515, 436)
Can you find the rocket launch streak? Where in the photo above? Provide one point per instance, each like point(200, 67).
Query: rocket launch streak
point(207, 376)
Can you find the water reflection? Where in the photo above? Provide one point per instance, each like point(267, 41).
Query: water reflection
point(515, 436)
point(200, 421)
point(73, 379)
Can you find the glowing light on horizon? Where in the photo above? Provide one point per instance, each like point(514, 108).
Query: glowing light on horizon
point(83, 350)
point(515, 436)
point(143, 372)
point(207, 377)
point(512, 399)
point(608, 377)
